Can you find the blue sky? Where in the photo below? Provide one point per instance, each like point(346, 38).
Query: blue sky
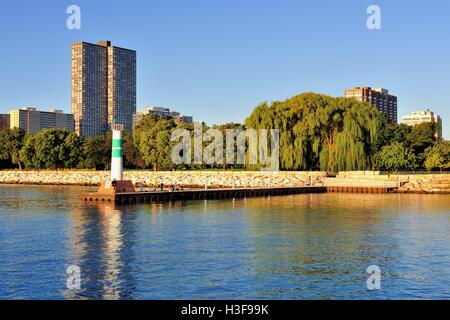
point(216, 60)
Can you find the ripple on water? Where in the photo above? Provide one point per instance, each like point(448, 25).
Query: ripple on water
point(293, 247)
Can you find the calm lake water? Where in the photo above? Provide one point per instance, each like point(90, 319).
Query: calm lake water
point(291, 247)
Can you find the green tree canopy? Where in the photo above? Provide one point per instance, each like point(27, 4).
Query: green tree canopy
point(421, 137)
point(394, 157)
point(438, 156)
point(11, 142)
point(131, 155)
point(96, 153)
point(321, 132)
point(152, 138)
point(71, 150)
point(52, 149)
point(223, 129)
point(390, 132)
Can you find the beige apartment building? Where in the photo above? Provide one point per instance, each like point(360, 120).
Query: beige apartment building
point(419, 117)
point(32, 120)
point(160, 112)
point(103, 87)
point(377, 97)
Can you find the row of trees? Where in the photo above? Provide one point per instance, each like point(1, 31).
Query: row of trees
point(58, 149)
point(411, 148)
point(336, 134)
point(317, 132)
point(152, 137)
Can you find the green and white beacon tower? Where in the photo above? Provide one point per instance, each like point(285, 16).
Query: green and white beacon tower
point(116, 154)
point(116, 184)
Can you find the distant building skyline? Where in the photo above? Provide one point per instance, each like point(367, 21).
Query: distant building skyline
point(377, 97)
point(32, 120)
point(228, 57)
point(427, 115)
point(103, 87)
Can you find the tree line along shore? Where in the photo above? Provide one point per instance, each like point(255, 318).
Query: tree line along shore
point(317, 133)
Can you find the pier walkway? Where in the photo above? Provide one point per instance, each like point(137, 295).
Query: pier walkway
point(210, 194)
point(197, 194)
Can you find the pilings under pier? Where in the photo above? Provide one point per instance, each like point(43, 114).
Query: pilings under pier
point(212, 194)
point(198, 194)
point(356, 189)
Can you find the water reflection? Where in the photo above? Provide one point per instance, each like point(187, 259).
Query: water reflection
point(328, 241)
point(101, 243)
point(292, 247)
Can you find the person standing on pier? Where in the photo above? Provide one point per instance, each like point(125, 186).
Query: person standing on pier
point(161, 183)
point(155, 184)
point(175, 184)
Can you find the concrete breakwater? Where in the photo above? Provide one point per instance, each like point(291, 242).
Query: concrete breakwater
point(420, 183)
point(184, 178)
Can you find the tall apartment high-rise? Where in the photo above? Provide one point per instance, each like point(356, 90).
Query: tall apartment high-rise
point(103, 87)
point(419, 117)
point(32, 120)
point(378, 97)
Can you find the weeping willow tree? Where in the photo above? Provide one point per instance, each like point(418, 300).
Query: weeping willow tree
point(356, 137)
point(320, 132)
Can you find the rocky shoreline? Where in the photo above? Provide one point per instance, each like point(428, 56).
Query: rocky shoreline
point(183, 178)
point(419, 183)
